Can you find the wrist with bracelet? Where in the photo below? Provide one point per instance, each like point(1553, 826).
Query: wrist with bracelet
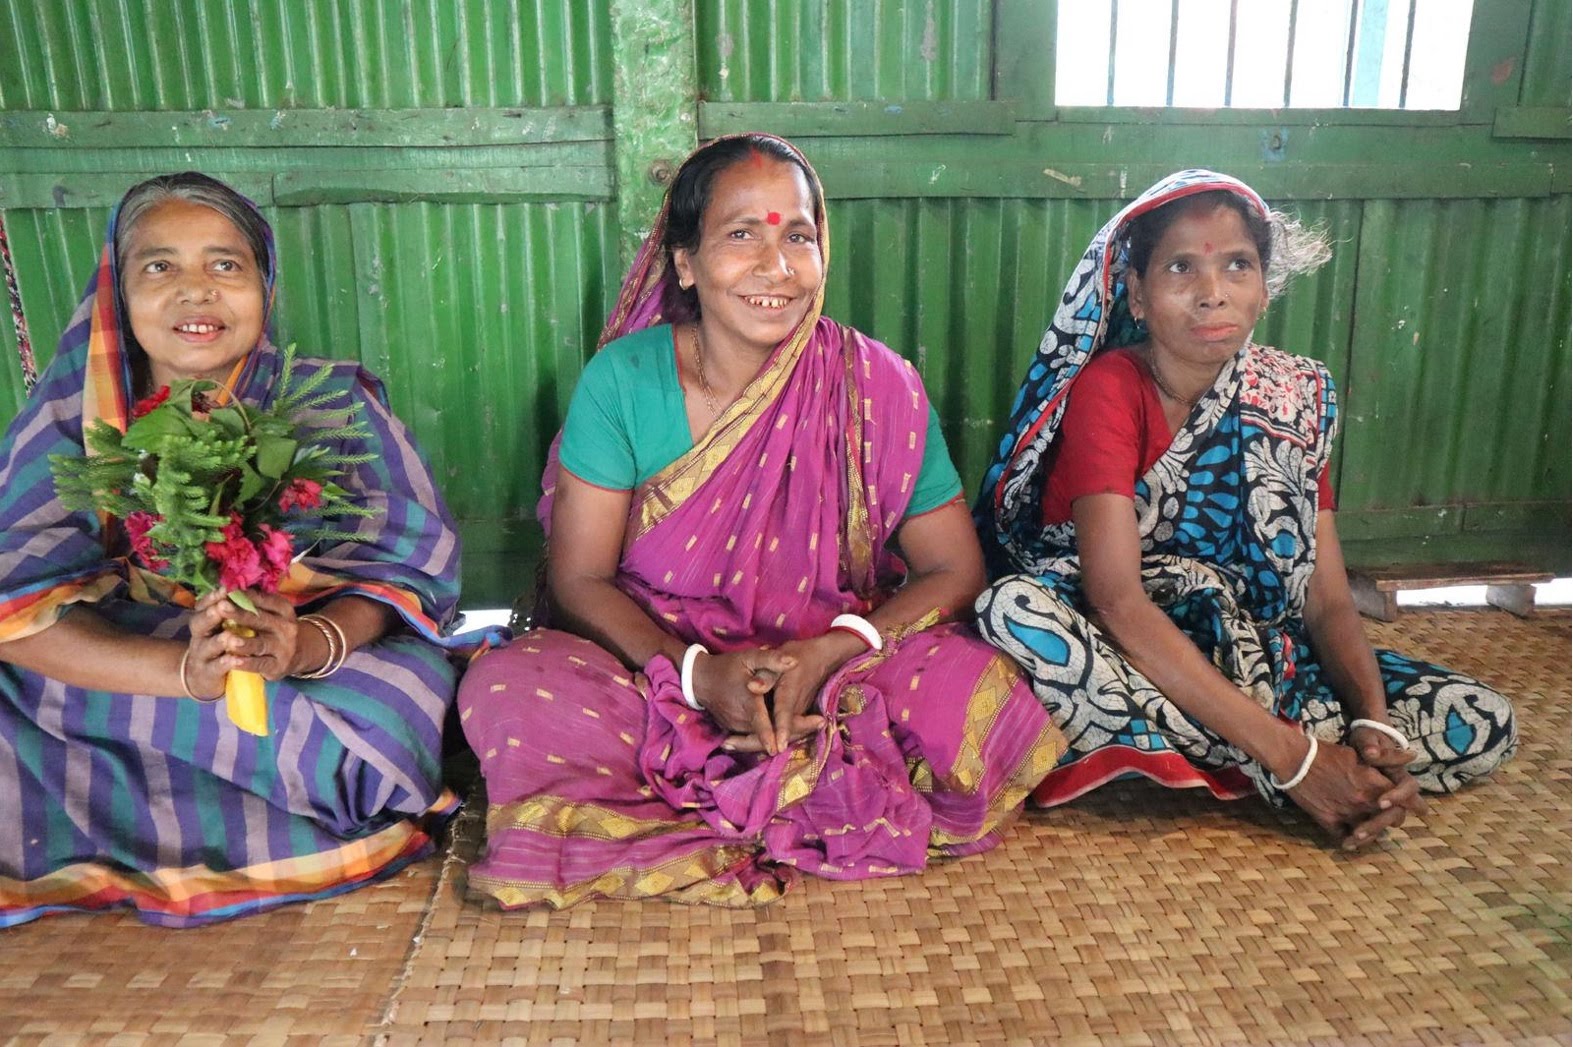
point(1303, 770)
point(185, 684)
point(862, 628)
point(1381, 728)
point(686, 674)
point(338, 646)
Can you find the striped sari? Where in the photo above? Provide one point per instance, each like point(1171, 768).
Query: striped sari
point(161, 804)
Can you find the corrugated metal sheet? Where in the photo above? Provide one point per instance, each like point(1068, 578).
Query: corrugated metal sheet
point(1548, 67)
point(1445, 322)
point(1458, 391)
point(965, 288)
point(479, 318)
point(196, 54)
point(844, 50)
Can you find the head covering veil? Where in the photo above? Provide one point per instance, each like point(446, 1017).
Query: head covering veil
point(1093, 315)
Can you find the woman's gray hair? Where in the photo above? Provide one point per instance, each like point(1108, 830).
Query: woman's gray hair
point(1297, 249)
point(195, 188)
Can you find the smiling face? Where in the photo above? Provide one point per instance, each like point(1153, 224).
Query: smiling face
point(757, 265)
point(1203, 290)
point(193, 292)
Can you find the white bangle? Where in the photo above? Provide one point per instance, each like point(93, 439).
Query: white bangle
point(1299, 776)
point(693, 652)
point(860, 627)
point(1382, 728)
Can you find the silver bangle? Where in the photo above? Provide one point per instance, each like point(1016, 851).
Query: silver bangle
point(687, 676)
point(1382, 728)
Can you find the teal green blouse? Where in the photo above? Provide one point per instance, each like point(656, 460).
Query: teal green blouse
point(626, 422)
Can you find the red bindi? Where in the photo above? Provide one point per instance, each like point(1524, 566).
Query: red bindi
point(1208, 247)
point(773, 218)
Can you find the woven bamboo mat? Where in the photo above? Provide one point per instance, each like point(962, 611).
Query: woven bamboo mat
point(1138, 915)
point(320, 973)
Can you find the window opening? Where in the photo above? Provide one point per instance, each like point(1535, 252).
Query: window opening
point(1270, 54)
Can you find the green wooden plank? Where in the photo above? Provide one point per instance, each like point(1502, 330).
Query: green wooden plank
point(1494, 63)
point(1024, 56)
point(301, 54)
point(1548, 64)
point(654, 92)
point(1518, 516)
point(488, 185)
point(342, 158)
point(86, 189)
point(1366, 524)
point(858, 178)
point(286, 128)
point(860, 119)
point(1533, 122)
point(1542, 550)
point(1189, 117)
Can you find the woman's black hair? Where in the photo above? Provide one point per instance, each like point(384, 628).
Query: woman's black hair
point(690, 195)
point(1144, 231)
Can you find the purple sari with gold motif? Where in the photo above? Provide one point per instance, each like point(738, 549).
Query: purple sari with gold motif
point(602, 782)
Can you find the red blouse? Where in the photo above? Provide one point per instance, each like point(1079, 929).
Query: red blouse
point(1112, 434)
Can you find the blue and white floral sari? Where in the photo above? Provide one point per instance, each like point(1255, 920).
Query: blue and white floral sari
point(1227, 521)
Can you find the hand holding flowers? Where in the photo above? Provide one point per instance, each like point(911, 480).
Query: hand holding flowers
point(217, 497)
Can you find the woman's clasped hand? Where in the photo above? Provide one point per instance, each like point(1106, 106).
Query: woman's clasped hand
point(1357, 794)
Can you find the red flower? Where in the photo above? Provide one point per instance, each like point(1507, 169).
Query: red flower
point(138, 524)
point(307, 494)
point(239, 562)
point(276, 553)
point(147, 404)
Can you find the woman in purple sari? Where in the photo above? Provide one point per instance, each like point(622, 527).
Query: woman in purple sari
point(123, 782)
point(740, 481)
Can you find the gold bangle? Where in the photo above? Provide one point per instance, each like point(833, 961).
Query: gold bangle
point(185, 686)
point(327, 667)
point(344, 643)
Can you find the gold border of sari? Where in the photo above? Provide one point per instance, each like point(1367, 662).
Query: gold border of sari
point(667, 491)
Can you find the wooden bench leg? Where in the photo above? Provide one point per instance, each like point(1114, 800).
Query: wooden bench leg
point(1373, 602)
point(1516, 599)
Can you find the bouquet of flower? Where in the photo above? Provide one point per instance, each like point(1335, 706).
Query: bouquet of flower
point(220, 496)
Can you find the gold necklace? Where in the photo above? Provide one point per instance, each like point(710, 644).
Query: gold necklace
point(1163, 386)
point(699, 368)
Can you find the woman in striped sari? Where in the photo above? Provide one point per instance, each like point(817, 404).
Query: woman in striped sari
point(122, 782)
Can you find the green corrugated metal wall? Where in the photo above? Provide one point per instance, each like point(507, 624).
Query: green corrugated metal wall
point(442, 176)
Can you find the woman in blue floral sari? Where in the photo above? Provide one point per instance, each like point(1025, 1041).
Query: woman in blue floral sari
point(1172, 578)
